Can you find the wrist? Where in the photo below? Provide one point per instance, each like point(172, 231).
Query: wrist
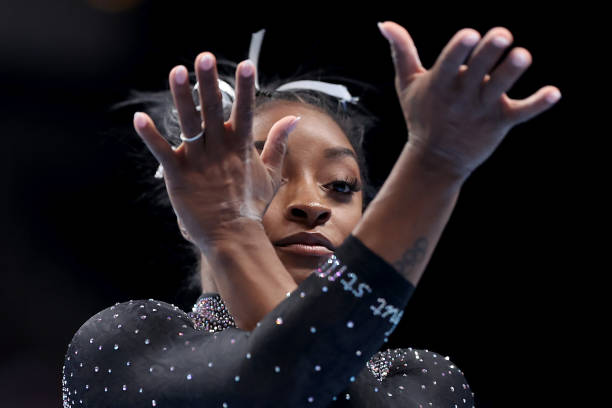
point(435, 167)
point(232, 235)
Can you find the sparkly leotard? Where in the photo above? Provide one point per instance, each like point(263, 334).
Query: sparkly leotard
point(317, 348)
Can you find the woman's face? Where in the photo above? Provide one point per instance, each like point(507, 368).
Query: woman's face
point(314, 196)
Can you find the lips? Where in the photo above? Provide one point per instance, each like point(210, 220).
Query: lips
point(307, 243)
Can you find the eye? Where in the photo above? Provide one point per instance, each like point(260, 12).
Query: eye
point(349, 185)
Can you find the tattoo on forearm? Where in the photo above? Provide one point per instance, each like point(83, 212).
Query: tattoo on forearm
point(412, 256)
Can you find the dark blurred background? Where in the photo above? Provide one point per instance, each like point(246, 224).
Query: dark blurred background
point(77, 239)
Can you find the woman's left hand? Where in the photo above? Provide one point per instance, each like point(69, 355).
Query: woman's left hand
point(457, 114)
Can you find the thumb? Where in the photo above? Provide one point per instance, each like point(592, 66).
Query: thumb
point(276, 145)
point(405, 56)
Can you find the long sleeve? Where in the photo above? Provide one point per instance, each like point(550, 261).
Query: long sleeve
point(303, 353)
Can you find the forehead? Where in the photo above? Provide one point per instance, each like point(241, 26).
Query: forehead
point(314, 126)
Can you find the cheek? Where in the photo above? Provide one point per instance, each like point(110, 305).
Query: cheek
point(271, 217)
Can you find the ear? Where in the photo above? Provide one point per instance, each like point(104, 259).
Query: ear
point(184, 232)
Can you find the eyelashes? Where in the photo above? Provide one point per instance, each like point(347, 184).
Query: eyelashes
point(351, 182)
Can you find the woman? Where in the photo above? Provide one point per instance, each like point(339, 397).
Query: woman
point(248, 196)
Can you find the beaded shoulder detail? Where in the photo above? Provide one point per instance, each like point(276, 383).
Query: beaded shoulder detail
point(209, 314)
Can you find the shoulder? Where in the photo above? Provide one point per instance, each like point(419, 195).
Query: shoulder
point(120, 336)
point(133, 317)
point(435, 375)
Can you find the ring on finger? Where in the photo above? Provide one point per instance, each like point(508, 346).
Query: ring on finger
point(191, 139)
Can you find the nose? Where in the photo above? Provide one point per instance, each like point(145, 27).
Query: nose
point(312, 213)
point(304, 204)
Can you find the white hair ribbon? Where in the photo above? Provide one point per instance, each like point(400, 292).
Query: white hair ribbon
point(335, 90)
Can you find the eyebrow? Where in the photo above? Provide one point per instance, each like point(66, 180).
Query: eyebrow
point(329, 153)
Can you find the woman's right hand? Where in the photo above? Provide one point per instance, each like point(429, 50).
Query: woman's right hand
point(219, 181)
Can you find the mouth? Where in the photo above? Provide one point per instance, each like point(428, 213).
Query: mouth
point(306, 249)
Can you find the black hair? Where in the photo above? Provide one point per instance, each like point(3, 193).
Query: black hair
point(353, 118)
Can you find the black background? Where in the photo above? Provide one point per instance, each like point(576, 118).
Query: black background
point(76, 239)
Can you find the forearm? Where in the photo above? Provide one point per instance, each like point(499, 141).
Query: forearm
point(248, 274)
point(404, 222)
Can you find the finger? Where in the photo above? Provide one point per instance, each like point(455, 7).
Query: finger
point(189, 117)
point(154, 141)
point(211, 101)
point(525, 109)
point(505, 75)
point(404, 53)
point(244, 104)
point(446, 67)
point(485, 56)
point(273, 153)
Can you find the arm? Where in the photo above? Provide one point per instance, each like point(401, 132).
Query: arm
point(404, 222)
point(248, 274)
point(303, 353)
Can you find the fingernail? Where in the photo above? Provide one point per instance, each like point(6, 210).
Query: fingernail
point(247, 68)
point(180, 76)
point(140, 120)
point(384, 32)
point(206, 62)
point(519, 59)
point(470, 39)
point(553, 97)
point(293, 124)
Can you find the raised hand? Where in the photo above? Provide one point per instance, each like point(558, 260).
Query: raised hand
point(219, 180)
point(457, 114)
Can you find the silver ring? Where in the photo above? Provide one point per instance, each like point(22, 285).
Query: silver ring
point(191, 139)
